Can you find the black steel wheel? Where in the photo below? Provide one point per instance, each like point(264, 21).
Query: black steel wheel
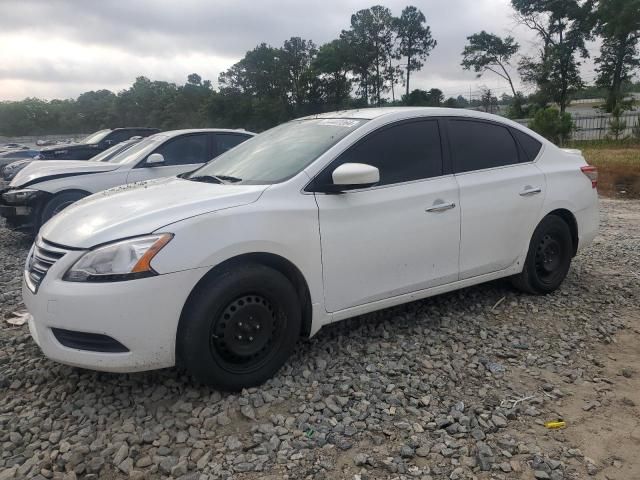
point(243, 335)
point(548, 259)
point(239, 326)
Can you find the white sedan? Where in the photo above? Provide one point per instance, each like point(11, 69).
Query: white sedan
point(316, 220)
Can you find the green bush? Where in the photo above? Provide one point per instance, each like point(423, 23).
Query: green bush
point(617, 125)
point(553, 125)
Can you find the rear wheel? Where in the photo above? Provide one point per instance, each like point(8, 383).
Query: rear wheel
point(548, 258)
point(239, 327)
point(57, 203)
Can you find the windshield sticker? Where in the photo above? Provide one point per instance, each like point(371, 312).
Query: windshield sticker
point(338, 122)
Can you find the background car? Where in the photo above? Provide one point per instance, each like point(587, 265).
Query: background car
point(9, 171)
point(7, 147)
point(42, 189)
point(314, 221)
point(13, 155)
point(93, 144)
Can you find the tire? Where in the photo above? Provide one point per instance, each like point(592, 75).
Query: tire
point(239, 327)
point(548, 259)
point(56, 204)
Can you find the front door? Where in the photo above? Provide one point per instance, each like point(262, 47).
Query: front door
point(181, 154)
point(399, 236)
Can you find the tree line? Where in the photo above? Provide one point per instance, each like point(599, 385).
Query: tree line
point(365, 66)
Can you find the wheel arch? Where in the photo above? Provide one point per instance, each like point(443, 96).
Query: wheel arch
point(278, 263)
point(70, 190)
point(40, 207)
point(569, 218)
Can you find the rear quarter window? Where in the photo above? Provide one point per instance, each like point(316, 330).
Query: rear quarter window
point(530, 145)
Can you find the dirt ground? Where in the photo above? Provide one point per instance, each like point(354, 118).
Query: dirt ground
point(602, 417)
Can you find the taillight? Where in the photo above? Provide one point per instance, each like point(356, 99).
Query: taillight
point(592, 173)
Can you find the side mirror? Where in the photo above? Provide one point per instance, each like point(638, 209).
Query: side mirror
point(154, 159)
point(350, 176)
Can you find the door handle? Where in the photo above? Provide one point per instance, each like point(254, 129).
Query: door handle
point(530, 191)
point(440, 207)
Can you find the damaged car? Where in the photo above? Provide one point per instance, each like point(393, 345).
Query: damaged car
point(42, 189)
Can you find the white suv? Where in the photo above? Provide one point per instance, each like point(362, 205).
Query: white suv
point(44, 188)
point(314, 221)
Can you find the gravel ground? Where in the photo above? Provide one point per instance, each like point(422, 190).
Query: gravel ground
point(453, 387)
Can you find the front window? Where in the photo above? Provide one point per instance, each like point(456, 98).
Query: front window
point(278, 154)
point(111, 152)
point(139, 150)
point(96, 137)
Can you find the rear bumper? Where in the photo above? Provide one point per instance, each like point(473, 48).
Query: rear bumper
point(588, 221)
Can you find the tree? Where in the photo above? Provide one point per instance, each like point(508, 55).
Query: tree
point(297, 55)
point(370, 40)
point(488, 52)
point(562, 26)
point(96, 108)
point(332, 65)
point(415, 38)
point(488, 100)
point(262, 72)
point(423, 98)
point(619, 27)
point(190, 101)
point(462, 102)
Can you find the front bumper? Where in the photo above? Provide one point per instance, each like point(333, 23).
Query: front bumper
point(20, 214)
point(141, 315)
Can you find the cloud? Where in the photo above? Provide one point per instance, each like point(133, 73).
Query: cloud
point(61, 48)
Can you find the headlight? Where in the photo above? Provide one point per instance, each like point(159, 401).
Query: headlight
point(20, 196)
point(122, 260)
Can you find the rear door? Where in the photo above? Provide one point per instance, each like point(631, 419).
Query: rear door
point(399, 236)
point(181, 154)
point(501, 195)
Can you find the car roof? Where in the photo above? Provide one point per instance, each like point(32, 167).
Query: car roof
point(400, 113)
point(376, 112)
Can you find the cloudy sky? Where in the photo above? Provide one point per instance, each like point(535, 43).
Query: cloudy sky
point(59, 49)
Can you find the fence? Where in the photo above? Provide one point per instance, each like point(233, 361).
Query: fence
point(599, 127)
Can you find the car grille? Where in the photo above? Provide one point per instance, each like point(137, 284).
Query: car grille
point(41, 259)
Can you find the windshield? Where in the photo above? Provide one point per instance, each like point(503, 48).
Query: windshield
point(279, 153)
point(96, 137)
point(138, 150)
point(113, 151)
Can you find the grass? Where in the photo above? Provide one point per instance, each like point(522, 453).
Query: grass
point(618, 167)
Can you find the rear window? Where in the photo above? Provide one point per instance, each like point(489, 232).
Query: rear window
point(530, 145)
point(481, 145)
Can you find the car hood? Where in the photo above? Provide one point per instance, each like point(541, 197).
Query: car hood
point(141, 208)
point(41, 170)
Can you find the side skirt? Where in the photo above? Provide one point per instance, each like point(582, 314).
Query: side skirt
point(419, 295)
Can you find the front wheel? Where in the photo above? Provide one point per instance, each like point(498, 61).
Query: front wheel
point(239, 327)
point(548, 258)
point(56, 204)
